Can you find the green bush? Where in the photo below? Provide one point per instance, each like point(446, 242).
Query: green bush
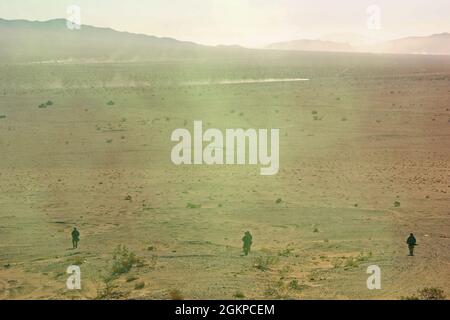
point(294, 285)
point(264, 263)
point(286, 252)
point(239, 295)
point(123, 260)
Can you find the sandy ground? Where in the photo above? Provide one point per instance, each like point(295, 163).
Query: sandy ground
point(381, 139)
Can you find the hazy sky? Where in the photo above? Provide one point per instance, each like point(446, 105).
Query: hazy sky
point(245, 22)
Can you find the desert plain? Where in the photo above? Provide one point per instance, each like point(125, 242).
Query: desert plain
point(364, 161)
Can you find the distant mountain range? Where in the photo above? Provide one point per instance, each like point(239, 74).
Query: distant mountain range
point(312, 45)
point(438, 44)
point(434, 44)
point(36, 41)
point(30, 41)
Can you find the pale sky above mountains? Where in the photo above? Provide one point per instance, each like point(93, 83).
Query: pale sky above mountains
point(249, 23)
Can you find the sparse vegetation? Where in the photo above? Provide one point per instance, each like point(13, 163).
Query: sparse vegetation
point(193, 206)
point(263, 263)
point(316, 116)
point(123, 260)
point(128, 191)
point(295, 285)
point(109, 290)
point(286, 252)
point(427, 294)
point(277, 290)
point(351, 262)
point(140, 285)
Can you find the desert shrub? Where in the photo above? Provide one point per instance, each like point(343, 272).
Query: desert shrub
point(294, 285)
point(109, 290)
point(431, 294)
point(123, 260)
point(317, 118)
point(49, 103)
point(427, 294)
point(278, 200)
point(315, 115)
point(264, 263)
point(2, 116)
point(110, 103)
point(176, 295)
point(140, 285)
point(286, 252)
point(239, 295)
point(193, 206)
point(351, 262)
point(276, 290)
point(316, 230)
point(42, 106)
point(363, 257)
point(396, 204)
point(337, 263)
